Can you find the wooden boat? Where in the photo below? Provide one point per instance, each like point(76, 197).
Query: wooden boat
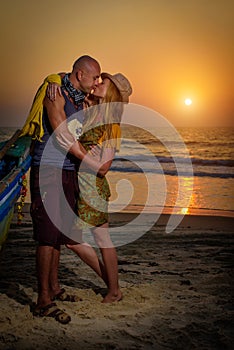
point(15, 160)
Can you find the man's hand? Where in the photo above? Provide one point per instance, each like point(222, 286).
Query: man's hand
point(96, 151)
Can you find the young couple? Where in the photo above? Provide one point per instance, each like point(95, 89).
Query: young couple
point(100, 126)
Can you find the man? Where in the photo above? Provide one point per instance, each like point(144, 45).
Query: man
point(83, 78)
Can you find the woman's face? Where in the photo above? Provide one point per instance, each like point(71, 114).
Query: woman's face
point(101, 89)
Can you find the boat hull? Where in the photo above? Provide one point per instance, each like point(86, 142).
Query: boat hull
point(11, 183)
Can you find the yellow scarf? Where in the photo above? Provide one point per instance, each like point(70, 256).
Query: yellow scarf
point(33, 125)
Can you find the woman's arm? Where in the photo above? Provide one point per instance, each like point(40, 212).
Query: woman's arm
point(53, 89)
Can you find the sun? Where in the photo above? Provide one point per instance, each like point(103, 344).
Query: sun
point(188, 101)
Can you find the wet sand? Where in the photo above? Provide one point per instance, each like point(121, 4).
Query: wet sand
point(177, 287)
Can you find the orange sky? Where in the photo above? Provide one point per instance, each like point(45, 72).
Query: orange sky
point(169, 50)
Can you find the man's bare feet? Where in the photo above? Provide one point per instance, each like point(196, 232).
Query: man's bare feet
point(54, 292)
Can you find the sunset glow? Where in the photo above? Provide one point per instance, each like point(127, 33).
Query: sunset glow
point(161, 46)
point(188, 101)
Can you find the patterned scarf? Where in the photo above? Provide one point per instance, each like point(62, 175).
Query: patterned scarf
point(77, 95)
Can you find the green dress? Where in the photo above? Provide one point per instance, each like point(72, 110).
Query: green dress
point(94, 191)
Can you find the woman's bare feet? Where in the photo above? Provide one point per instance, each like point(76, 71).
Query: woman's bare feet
point(111, 298)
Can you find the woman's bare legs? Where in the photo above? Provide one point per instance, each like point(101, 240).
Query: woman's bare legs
point(89, 256)
point(110, 261)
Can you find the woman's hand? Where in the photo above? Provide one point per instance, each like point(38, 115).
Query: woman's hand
point(90, 100)
point(52, 90)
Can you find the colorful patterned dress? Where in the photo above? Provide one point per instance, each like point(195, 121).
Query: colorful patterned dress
point(94, 189)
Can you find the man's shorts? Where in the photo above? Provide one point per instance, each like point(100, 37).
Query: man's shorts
point(53, 204)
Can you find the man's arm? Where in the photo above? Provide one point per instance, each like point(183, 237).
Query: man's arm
point(99, 163)
point(58, 121)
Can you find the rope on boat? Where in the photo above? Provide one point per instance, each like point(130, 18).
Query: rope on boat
point(20, 204)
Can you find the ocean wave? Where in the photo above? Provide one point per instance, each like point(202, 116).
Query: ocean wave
point(163, 159)
point(172, 168)
point(172, 172)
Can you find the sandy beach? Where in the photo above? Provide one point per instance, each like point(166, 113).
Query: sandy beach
point(177, 291)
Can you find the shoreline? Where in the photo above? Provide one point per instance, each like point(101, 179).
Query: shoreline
point(166, 211)
point(181, 211)
point(137, 208)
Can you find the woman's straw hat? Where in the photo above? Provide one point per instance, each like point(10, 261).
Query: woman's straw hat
point(122, 84)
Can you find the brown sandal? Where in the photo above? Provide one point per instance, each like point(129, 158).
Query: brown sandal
point(52, 310)
point(64, 296)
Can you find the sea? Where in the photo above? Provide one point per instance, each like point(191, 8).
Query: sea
point(187, 171)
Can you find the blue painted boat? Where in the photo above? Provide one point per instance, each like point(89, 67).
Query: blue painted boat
point(15, 160)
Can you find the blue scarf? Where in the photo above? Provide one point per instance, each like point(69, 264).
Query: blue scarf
point(77, 95)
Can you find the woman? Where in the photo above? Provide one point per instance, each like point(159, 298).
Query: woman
point(101, 127)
